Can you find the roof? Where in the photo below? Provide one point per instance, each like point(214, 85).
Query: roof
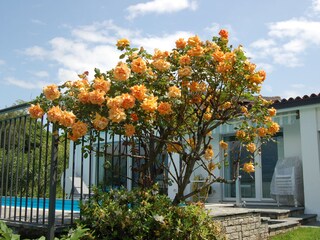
point(297, 101)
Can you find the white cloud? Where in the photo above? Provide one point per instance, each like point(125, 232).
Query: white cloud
point(316, 6)
point(25, 84)
point(263, 43)
point(103, 32)
point(82, 52)
point(165, 42)
point(38, 22)
point(160, 7)
point(303, 29)
point(41, 74)
point(265, 66)
point(36, 51)
point(2, 62)
point(288, 41)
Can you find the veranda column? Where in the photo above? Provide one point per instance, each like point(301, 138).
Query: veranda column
point(310, 159)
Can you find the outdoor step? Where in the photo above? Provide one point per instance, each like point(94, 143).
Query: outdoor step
point(281, 226)
point(304, 219)
point(275, 212)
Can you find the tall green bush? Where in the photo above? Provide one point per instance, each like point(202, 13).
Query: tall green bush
point(146, 214)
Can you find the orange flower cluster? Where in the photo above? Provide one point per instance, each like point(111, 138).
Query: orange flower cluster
point(251, 147)
point(99, 122)
point(164, 108)
point(149, 104)
point(122, 43)
point(161, 65)
point(51, 92)
point(36, 111)
point(129, 130)
point(138, 65)
point(223, 145)
point(64, 118)
point(208, 153)
point(248, 167)
point(78, 130)
point(121, 72)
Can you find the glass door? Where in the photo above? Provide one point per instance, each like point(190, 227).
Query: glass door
point(270, 153)
point(236, 152)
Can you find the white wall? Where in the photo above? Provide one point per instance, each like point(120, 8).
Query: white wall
point(310, 159)
point(291, 140)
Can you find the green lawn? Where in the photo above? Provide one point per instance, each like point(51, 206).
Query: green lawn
point(302, 233)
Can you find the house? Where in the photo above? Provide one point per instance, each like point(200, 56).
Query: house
point(296, 146)
point(294, 155)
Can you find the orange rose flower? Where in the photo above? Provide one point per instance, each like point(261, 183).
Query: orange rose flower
point(129, 130)
point(67, 119)
point(174, 147)
point(81, 84)
point(262, 132)
point(159, 54)
point(84, 96)
point(164, 108)
point(207, 116)
point(51, 92)
point(251, 147)
point(218, 56)
point(244, 109)
point(208, 153)
point(161, 65)
point(138, 65)
point(149, 104)
point(248, 167)
point(139, 92)
point(184, 60)
point(191, 143)
point(97, 97)
point(274, 128)
point(181, 43)
point(272, 112)
point(79, 129)
point(99, 122)
point(223, 145)
point(128, 101)
point(194, 41)
point(121, 72)
point(174, 92)
point(115, 102)
point(185, 72)
point(240, 134)
point(195, 51)
point(117, 115)
point(122, 43)
point(224, 33)
point(36, 111)
point(101, 84)
point(134, 117)
point(211, 166)
point(225, 106)
point(194, 86)
point(54, 114)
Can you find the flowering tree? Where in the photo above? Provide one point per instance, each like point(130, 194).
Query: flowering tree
point(170, 102)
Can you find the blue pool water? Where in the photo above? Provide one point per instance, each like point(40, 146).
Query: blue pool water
point(39, 203)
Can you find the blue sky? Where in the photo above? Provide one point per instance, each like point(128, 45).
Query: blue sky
point(44, 42)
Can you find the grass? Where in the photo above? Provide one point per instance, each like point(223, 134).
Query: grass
point(302, 233)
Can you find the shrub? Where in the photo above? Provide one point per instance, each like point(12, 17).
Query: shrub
point(145, 214)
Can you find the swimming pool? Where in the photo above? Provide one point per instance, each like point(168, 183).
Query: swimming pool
point(35, 203)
